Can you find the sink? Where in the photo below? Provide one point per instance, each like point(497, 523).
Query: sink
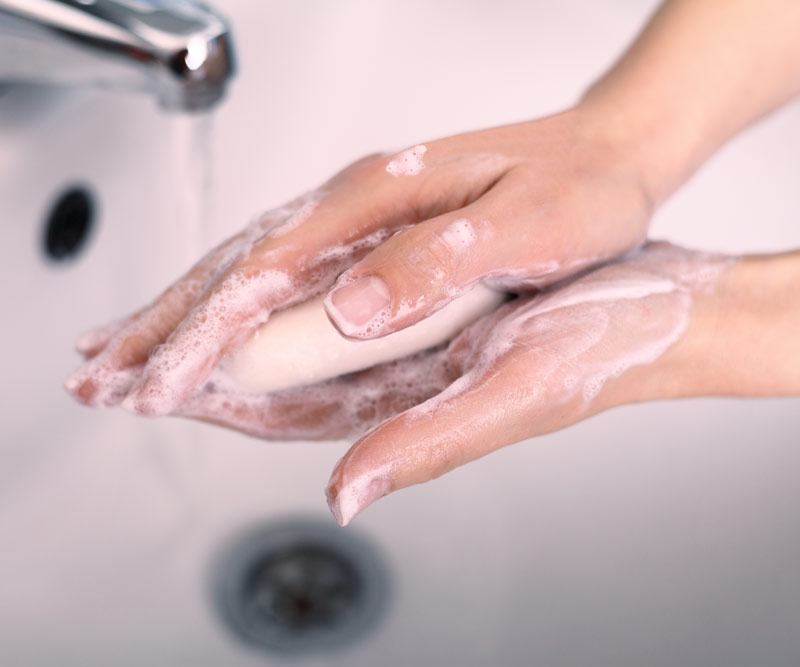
point(658, 534)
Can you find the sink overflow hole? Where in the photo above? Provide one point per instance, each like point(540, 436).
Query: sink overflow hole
point(68, 224)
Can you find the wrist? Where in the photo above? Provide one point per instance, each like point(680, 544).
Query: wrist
point(754, 346)
point(661, 154)
point(740, 340)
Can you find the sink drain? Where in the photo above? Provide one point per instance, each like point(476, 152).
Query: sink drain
point(300, 586)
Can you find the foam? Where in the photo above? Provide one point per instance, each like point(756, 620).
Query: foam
point(602, 290)
point(244, 295)
point(459, 235)
point(105, 375)
point(523, 278)
point(104, 380)
point(343, 254)
point(249, 294)
point(534, 363)
point(100, 384)
point(571, 334)
point(407, 163)
point(298, 213)
point(548, 354)
point(335, 408)
point(541, 274)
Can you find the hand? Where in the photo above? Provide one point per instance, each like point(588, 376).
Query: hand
point(523, 206)
point(624, 332)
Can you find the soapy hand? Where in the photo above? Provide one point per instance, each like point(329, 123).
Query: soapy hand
point(537, 364)
point(394, 239)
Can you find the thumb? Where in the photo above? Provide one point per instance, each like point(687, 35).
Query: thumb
point(469, 419)
point(413, 274)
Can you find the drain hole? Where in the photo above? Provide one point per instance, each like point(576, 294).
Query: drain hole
point(300, 586)
point(69, 224)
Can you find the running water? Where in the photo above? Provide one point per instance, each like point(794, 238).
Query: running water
point(193, 182)
point(179, 455)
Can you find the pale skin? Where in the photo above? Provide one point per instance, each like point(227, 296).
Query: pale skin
point(547, 199)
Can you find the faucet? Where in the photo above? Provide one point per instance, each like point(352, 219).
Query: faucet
point(178, 50)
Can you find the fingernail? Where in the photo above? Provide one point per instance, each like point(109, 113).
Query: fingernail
point(74, 381)
point(98, 385)
point(355, 497)
point(353, 306)
point(81, 388)
point(87, 342)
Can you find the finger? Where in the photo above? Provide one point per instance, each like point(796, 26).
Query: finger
point(329, 410)
point(507, 237)
point(475, 415)
point(118, 350)
point(95, 341)
point(282, 269)
point(423, 268)
point(107, 379)
point(107, 375)
point(533, 366)
point(112, 350)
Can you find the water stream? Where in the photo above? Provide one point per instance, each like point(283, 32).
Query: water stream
point(193, 182)
point(178, 454)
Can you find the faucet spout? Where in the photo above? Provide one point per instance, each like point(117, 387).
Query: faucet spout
point(179, 50)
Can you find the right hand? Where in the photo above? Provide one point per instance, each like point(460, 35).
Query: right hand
point(522, 205)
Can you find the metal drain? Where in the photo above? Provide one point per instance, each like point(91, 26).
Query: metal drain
point(300, 586)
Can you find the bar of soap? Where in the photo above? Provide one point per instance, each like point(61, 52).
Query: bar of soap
point(300, 346)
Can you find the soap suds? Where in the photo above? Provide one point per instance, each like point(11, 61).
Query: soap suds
point(571, 334)
point(407, 163)
point(245, 295)
point(103, 381)
point(541, 274)
point(298, 213)
point(459, 235)
point(547, 354)
point(340, 407)
point(533, 363)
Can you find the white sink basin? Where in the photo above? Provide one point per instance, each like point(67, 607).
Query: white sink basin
point(662, 534)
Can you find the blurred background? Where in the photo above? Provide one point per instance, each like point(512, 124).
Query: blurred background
point(660, 534)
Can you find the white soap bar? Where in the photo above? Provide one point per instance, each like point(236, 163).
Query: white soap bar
point(300, 346)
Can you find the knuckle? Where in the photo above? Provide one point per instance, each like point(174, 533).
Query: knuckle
point(443, 459)
point(370, 168)
point(353, 169)
point(430, 259)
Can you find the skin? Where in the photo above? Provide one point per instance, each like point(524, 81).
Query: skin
point(547, 199)
point(672, 321)
point(753, 305)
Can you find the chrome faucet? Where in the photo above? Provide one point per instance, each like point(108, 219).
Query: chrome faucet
point(179, 50)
